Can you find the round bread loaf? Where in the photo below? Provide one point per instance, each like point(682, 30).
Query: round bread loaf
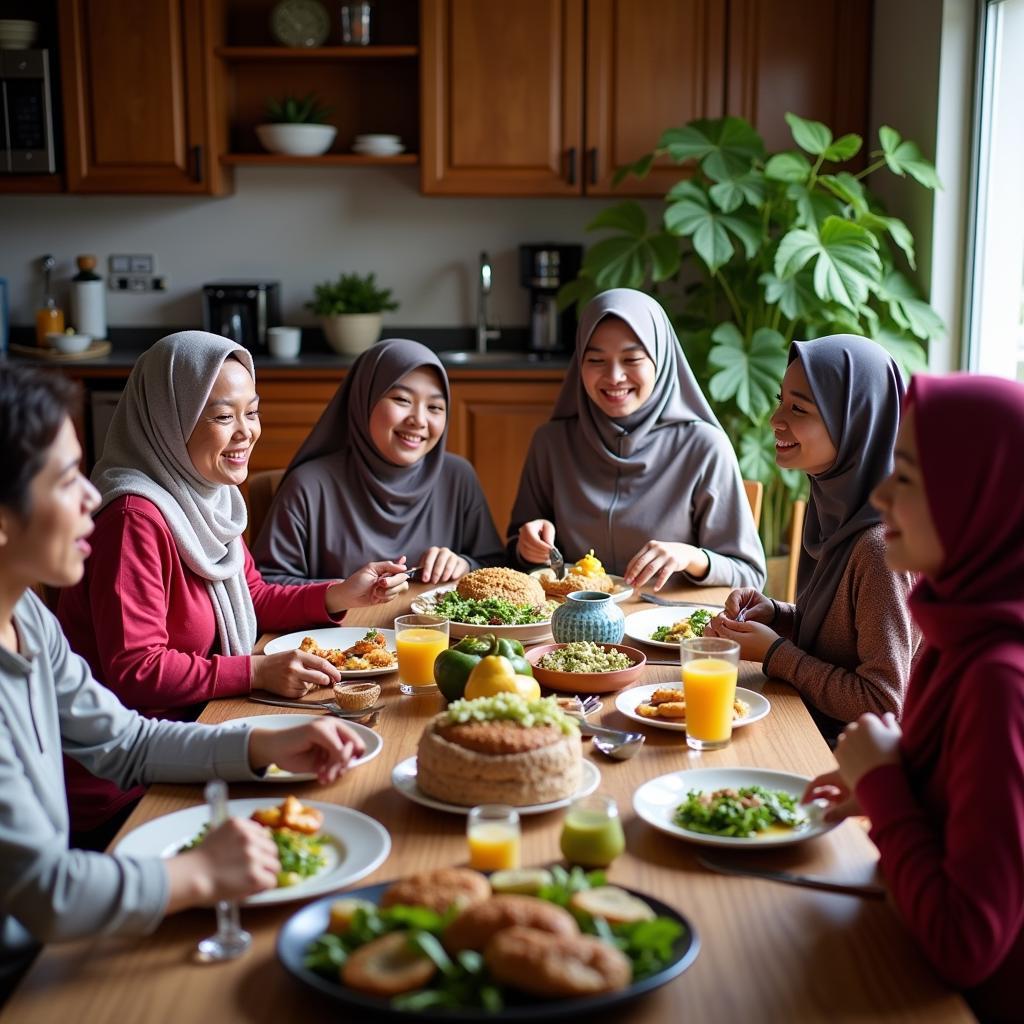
point(509, 584)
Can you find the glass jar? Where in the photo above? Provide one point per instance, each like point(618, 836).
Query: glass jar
point(592, 833)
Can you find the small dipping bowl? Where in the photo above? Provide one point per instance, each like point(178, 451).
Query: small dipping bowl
point(356, 696)
point(69, 343)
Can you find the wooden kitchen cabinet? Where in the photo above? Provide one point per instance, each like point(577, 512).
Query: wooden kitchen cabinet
point(139, 96)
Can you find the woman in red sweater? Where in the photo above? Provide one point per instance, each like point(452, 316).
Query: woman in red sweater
point(946, 796)
point(171, 603)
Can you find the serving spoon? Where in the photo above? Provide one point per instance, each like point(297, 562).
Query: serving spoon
point(614, 743)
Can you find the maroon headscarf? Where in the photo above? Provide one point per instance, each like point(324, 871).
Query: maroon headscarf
point(970, 443)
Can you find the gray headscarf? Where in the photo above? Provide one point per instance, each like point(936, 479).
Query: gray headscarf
point(858, 391)
point(145, 454)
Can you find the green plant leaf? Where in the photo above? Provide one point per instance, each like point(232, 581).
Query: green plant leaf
point(904, 157)
point(845, 147)
point(665, 257)
point(908, 352)
point(729, 195)
point(693, 217)
point(616, 262)
point(640, 169)
point(756, 455)
point(814, 206)
point(726, 148)
point(811, 136)
point(351, 293)
point(748, 373)
point(907, 309)
point(795, 295)
point(627, 216)
point(580, 291)
point(788, 167)
point(844, 257)
point(898, 231)
point(847, 189)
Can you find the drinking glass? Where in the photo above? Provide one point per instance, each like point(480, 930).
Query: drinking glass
point(492, 831)
point(710, 666)
point(419, 639)
point(355, 24)
point(592, 833)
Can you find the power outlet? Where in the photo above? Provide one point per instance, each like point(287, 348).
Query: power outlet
point(137, 283)
point(131, 263)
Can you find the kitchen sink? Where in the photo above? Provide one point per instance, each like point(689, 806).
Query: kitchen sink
point(470, 357)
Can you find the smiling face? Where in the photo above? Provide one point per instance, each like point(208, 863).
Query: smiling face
point(228, 427)
point(912, 543)
point(409, 420)
point(801, 439)
point(618, 374)
point(49, 545)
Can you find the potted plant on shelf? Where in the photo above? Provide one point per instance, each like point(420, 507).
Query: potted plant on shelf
point(350, 311)
point(755, 250)
point(296, 126)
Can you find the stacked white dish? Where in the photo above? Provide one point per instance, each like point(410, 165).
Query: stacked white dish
point(378, 145)
point(17, 34)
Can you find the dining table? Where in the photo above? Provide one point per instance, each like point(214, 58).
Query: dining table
point(768, 951)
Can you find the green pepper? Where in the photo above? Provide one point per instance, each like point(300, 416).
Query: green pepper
point(452, 667)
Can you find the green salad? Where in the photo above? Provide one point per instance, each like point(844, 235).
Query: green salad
point(301, 855)
point(739, 812)
point(490, 611)
point(686, 629)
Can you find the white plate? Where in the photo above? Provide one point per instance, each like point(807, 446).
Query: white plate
point(627, 701)
point(656, 801)
point(623, 591)
point(532, 633)
point(403, 778)
point(368, 149)
point(640, 625)
point(359, 844)
point(374, 743)
point(341, 637)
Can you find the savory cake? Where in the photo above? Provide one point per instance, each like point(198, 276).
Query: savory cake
point(508, 584)
point(500, 750)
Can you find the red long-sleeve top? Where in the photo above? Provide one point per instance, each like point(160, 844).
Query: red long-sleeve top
point(144, 622)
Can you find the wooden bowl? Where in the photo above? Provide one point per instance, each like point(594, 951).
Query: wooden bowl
point(356, 696)
point(587, 682)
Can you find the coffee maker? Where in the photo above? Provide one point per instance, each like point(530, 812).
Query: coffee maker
point(242, 310)
point(543, 269)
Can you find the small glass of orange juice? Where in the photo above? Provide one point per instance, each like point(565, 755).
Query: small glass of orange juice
point(493, 835)
point(710, 666)
point(419, 639)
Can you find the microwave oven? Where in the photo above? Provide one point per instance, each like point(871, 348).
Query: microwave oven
point(26, 114)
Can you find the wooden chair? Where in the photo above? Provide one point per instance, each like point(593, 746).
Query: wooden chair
point(796, 532)
point(262, 488)
point(755, 496)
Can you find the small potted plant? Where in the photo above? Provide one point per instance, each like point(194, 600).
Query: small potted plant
point(295, 126)
point(350, 311)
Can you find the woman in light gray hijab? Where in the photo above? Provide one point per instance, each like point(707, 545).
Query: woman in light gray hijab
point(633, 462)
point(848, 642)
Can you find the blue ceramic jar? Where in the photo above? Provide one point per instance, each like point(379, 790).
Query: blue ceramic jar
point(588, 615)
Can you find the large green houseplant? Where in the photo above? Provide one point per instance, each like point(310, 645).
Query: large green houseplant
point(755, 250)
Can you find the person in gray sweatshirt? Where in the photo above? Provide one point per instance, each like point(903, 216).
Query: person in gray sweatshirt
point(50, 704)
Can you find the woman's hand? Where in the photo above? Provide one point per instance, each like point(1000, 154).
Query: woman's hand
point(442, 564)
point(830, 786)
point(374, 583)
point(292, 673)
point(536, 539)
point(749, 605)
point(325, 746)
point(866, 744)
point(658, 559)
point(754, 638)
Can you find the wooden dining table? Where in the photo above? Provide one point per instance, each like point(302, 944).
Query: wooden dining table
point(768, 951)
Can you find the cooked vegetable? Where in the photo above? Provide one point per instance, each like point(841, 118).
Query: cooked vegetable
point(739, 812)
point(585, 656)
point(491, 611)
point(684, 629)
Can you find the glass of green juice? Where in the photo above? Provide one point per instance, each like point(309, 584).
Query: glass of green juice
point(592, 833)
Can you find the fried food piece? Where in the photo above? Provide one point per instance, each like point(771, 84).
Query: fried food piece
point(674, 709)
point(349, 663)
point(476, 925)
point(615, 905)
point(647, 710)
point(387, 967)
point(371, 642)
point(380, 657)
point(574, 581)
point(438, 890)
point(557, 966)
point(310, 646)
point(665, 694)
point(290, 814)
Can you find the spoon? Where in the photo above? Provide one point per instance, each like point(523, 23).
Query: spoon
point(557, 562)
point(614, 743)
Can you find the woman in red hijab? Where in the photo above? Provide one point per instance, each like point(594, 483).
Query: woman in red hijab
point(946, 796)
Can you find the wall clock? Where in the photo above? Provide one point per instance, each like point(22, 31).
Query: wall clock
point(300, 23)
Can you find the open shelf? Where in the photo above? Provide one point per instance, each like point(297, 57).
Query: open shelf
point(314, 53)
point(32, 183)
point(327, 160)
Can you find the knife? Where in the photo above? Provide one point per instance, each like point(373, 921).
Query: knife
point(655, 599)
point(865, 891)
point(309, 705)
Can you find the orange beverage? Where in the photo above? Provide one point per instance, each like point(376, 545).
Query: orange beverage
point(709, 686)
point(492, 832)
point(419, 639)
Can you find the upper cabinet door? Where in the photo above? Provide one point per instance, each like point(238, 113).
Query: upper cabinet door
point(501, 86)
point(808, 57)
point(651, 65)
point(136, 90)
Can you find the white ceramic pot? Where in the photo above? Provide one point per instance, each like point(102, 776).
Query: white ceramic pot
point(351, 333)
point(296, 139)
point(69, 343)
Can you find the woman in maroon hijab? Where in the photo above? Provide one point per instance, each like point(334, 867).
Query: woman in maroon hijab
point(946, 797)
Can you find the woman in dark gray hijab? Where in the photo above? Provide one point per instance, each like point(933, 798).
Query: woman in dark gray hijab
point(633, 462)
point(374, 476)
point(848, 642)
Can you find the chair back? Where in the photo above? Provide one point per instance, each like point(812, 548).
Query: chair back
point(754, 490)
point(796, 532)
point(262, 488)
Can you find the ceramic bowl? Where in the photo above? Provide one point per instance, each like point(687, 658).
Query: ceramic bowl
point(356, 696)
point(296, 139)
point(587, 682)
point(69, 343)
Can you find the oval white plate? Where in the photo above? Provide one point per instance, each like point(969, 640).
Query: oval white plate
point(623, 592)
point(403, 778)
point(359, 844)
point(627, 701)
point(341, 637)
point(373, 741)
point(656, 801)
point(532, 633)
point(640, 625)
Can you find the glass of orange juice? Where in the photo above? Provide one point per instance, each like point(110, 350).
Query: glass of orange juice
point(419, 639)
point(710, 666)
point(493, 835)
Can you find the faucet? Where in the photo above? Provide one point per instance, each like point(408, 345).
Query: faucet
point(483, 332)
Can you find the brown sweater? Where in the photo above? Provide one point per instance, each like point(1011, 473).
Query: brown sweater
point(864, 650)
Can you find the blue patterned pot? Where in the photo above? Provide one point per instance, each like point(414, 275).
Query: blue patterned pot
point(588, 615)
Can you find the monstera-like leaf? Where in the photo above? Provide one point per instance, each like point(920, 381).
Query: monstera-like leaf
point(907, 310)
point(903, 157)
point(690, 213)
point(726, 148)
point(748, 371)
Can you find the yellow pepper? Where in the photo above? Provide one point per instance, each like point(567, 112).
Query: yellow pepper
point(496, 674)
point(590, 565)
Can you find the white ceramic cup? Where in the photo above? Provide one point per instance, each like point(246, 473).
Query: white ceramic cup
point(284, 342)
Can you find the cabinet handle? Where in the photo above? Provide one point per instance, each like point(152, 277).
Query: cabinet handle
point(571, 158)
point(592, 160)
point(197, 163)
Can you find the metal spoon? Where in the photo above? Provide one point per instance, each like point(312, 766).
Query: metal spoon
point(557, 562)
point(614, 743)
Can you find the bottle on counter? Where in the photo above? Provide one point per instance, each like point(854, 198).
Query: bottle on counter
point(49, 316)
point(88, 302)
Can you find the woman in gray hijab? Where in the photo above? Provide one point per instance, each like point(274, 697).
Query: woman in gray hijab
point(633, 462)
point(373, 480)
point(848, 642)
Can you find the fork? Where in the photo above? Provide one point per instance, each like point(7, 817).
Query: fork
point(557, 562)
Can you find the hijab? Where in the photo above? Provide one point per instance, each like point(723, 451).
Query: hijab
point(858, 389)
point(970, 435)
point(145, 454)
